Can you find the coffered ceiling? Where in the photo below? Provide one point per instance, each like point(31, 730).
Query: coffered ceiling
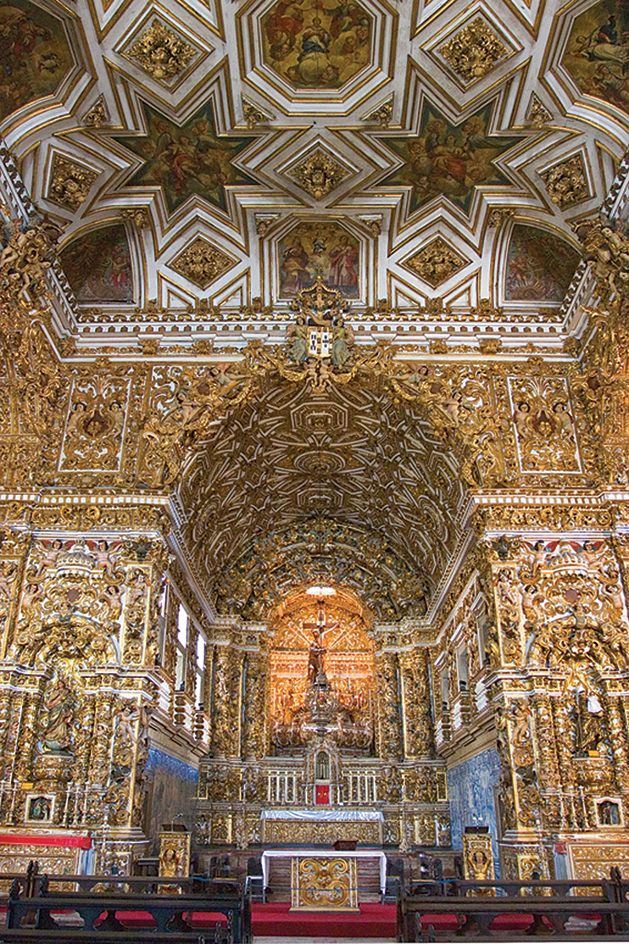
point(243, 147)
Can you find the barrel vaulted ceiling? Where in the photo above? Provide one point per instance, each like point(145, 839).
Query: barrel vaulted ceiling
point(229, 151)
point(382, 490)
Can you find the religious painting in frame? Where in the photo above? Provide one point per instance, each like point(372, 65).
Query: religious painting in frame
point(319, 247)
point(540, 265)
point(34, 54)
point(597, 52)
point(40, 807)
point(186, 159)
point(314, 47)
point(449, 160)
point(98, 266)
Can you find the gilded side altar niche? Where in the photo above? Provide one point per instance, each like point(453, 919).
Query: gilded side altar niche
point(562, 615)
point(86, 613)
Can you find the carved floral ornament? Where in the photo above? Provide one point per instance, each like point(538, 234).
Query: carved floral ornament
point(474, 51)
point(161, 52)
point(318, 173)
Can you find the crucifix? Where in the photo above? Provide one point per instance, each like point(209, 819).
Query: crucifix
point(317, 649)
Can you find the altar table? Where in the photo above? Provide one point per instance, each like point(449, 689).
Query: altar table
point(305, 876)
point(322, 825)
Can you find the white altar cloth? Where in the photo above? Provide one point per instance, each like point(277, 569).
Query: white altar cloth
point(327, 814)
point(269, 854)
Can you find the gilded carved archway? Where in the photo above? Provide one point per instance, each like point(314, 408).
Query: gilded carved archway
point(321, 662)
point(343, 485)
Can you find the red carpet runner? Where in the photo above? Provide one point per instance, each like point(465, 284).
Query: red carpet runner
point(276, 920)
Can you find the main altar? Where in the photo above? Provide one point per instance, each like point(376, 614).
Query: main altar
point(328, 757)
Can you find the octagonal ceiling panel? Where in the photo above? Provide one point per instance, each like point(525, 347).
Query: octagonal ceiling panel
point(404, 142)
point(311, 59)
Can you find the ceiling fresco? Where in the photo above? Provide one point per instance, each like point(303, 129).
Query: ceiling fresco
point(313, 47)
point(540, 266)
point(400, 151)
point(98, 266)
point(319, 247)
point(598, 52)
point(187, 159)
point(449, 160)
point(34, 54)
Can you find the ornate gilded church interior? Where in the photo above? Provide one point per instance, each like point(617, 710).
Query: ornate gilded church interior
point(314, 501)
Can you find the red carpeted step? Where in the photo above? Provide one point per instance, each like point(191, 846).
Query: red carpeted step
point(276, 920)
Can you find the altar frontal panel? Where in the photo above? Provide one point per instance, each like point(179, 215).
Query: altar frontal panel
point(324, 883)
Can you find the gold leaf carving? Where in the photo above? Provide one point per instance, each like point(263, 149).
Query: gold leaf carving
point(201, 262)
point(97, 115)
point(318, 173)
point(566, 182)
point(69, 183)
point(538, 114)
point(436, 262)
point(161, 53)
point(473, 51)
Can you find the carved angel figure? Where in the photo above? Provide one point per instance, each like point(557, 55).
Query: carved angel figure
point(105, 558)
point(343, 340)
point(7, 571)
point(297, 336)
point(50, 556)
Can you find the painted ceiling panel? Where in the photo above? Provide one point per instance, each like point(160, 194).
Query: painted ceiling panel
point(398, 151)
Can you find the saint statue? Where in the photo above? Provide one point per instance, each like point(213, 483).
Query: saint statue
point(589, 723)
point(57, 733)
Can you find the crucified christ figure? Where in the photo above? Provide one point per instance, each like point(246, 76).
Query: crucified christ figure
point(317, 651)
point(316, 655)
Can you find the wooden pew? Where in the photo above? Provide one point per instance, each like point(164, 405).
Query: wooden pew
point(477, 904)
point(103, 899)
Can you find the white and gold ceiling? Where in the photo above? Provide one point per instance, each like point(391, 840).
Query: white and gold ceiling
point(206, 161)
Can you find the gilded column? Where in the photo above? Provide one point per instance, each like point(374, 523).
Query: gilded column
point(226, 703)
point(255, 714)
point(418, 723)
point(391, 744)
